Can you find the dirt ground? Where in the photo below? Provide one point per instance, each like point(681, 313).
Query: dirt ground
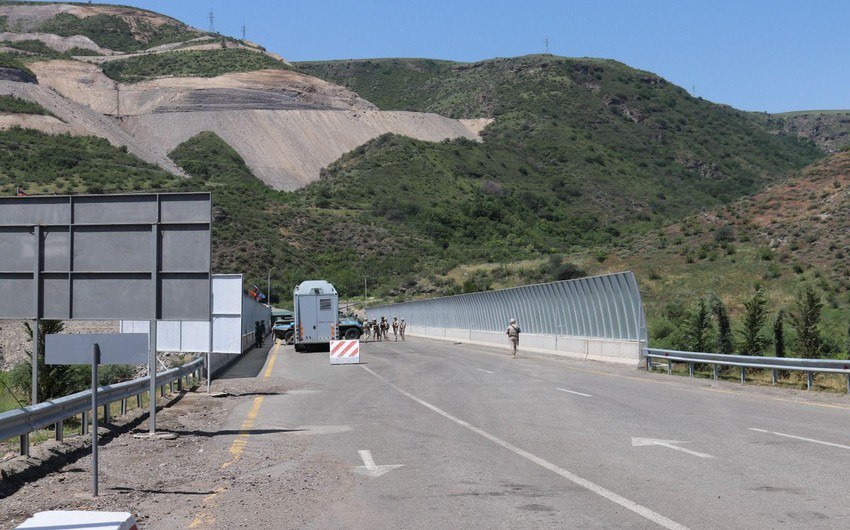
point(179, 483)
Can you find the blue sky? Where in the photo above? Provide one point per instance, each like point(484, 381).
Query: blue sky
point(758, 55)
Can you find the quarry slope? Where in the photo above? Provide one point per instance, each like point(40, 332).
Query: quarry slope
point(288, 148)
point(75, 118)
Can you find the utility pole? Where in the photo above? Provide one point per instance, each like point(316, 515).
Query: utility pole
point(365, 290)
point(546, 44)
point(243, 31)
point(211, 18)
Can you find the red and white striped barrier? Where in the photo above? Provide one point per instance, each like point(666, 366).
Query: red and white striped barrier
point(345, 352)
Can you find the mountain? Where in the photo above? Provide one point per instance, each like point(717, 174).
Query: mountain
point(162, 82)
point(579, 151)
point(420, 176)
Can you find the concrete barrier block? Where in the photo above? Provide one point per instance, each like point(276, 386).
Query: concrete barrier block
point(537, 342)
point(572, 345)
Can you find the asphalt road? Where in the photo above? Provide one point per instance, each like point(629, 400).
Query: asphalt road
point(483, 440)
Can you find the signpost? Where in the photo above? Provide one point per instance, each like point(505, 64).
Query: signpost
point(97, 349)
point(106, 257)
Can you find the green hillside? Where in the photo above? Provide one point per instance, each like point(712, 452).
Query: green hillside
point(190, 63)
point(580, 150)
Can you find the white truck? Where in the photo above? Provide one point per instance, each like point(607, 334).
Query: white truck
point(316, 308)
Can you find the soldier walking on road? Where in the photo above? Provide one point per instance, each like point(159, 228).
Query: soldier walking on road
point(513, 335)
point(395, 328)
point(401, 327)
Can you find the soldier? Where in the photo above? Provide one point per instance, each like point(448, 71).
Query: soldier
point(367, 330)
point(401, 327)
point(376, 330)
point(395, 328)
point(513, 332)
point(385, 329)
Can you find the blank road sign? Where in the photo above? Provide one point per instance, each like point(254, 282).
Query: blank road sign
point(106, 257)
point(115, 348)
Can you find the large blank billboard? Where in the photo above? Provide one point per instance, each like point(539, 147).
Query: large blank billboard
point(106, 257)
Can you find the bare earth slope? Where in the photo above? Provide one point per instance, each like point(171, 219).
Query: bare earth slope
point(288, 148)
point(78, 119)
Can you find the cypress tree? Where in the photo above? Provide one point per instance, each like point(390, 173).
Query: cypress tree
point(779, 334)
point(724, 327)
point(755, 316)
point(805, 320)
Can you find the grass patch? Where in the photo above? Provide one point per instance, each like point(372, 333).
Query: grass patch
point(15, 105)
point(115, 33)
point(43, 163)
point(191, 63)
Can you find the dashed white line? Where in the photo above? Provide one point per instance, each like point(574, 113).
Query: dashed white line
point(801, 438)
point(574, 392)
point(483, 370)
point(643, 511)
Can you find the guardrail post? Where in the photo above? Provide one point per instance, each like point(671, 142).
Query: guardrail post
point(162, 391)
point(106, 413)
point(714, 369)
point(180, 384)
point(848, 383)
point(25, 445)
point(691, 369)
point(59, 428)
point(809, 380)
point(669, 366)
point(138, 401)
point(123, 407)
point(773, 377)
point(743, 375)
point(84, 423)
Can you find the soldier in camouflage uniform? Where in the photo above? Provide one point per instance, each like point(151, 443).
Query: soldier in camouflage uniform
point(395, 328)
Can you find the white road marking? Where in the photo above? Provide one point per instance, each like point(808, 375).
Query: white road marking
point(801, 438)
point(483, 370)
point(574, 392)
point(669, 444)
point(572, 477)
point(369, 468)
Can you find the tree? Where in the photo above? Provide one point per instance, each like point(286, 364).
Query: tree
point(698, 328)
point(805, 319)
point(53, 380)
point(724, 327)
point(753, 342)
point(779, 334)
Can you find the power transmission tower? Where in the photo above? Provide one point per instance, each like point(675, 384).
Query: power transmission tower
point(211, 17)
point(546, 43)
point(243, 31)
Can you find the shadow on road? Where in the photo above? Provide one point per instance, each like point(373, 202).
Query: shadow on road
point(229, 432)
point(248, 365)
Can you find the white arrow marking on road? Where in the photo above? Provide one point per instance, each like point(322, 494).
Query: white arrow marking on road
point(483, 370)
point(370, 469)
point(669, 444)
point(574, 392)
point(801, 438)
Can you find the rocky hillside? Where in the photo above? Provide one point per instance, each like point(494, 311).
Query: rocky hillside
point(152, 74)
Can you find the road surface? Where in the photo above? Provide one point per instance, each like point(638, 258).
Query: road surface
point(435, 434)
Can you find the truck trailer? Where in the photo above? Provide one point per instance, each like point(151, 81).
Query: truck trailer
point(316, 306)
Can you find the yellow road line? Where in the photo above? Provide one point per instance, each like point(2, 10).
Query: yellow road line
point(272, 359)
point(242, 439)
point(206, 519)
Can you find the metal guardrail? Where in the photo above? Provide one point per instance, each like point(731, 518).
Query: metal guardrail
point(20, 422)
point(808, 366)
